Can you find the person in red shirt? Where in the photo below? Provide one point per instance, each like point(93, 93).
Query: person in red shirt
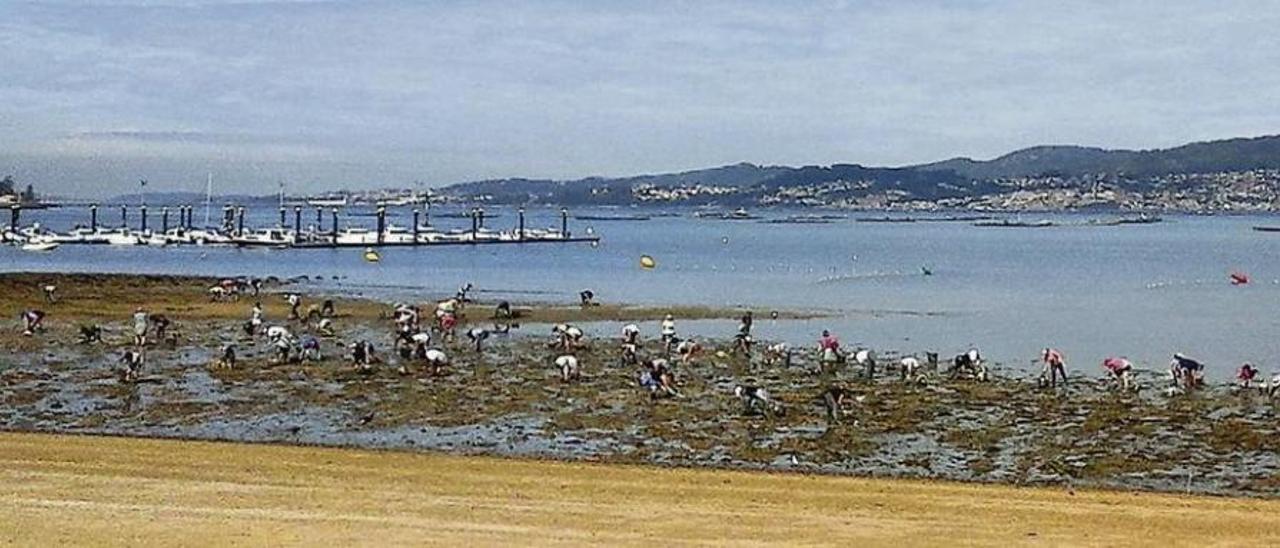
point(1246, 375)
point(1054, 365)
point(829, 348)
point(448, 325)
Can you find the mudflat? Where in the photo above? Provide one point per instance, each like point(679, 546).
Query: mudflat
point(508, 400)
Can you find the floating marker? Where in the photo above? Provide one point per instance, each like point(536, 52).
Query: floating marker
point(371, 255)
point(647, 262)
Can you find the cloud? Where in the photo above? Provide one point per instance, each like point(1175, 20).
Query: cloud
point(450, 91)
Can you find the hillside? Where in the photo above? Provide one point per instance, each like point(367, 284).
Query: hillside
point(1232, 174)
point(1209, 157)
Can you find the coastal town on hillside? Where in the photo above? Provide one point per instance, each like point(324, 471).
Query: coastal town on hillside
point(1246, 191)
point(1220, 192)
point(1243, 191)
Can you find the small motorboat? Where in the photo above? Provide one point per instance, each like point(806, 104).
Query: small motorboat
point(40, 246)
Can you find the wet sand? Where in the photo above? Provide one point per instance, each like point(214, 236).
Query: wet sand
point(115, 491)
point(508, 401)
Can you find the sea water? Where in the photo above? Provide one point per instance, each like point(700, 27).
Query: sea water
point(1141, 291)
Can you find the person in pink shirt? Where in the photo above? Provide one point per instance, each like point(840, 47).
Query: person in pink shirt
point(1120, 370)
point(829, 348)
point(1054, 365)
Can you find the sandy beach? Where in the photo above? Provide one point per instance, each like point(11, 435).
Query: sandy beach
point(113, 491)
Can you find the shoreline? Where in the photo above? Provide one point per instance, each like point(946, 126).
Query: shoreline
point(508, 401)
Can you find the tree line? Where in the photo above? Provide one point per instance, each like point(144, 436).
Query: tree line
point(10, 188)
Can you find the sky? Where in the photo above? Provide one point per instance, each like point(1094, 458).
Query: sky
point(324, 95)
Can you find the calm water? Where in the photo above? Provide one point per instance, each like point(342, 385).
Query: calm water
point(1144, 291)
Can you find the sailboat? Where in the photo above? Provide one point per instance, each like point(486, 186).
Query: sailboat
point(206, 235)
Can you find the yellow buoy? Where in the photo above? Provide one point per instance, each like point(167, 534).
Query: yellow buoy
point(371, 255)
point(647, 262)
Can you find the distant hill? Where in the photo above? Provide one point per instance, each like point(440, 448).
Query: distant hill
point(610, 191)
point(746, 183)
point(1208, 157)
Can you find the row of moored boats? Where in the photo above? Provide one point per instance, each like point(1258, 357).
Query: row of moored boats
point(38, 238)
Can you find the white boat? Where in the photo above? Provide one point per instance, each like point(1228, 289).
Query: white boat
point(466, 235)
point(207, 236)
point(397, 235)
point(428, 234)
point(35, 233)
point(543, 234)
point(81, 235)
point(84, 235)
point(42, 245)
point(265, 237)
point(120, 236)
point(328, 201)
point(356, 236)
point(175, 236)
point(154, 239)
point(367, 236)
point(398, 201)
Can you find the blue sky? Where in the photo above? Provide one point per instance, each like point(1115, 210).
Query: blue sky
point(94, 95)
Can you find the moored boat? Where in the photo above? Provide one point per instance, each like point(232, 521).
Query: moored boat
point(40, 245)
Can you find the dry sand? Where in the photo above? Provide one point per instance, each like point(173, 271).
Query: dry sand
point(97, 490)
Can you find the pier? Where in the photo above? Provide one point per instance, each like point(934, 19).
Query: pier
point(289, 232)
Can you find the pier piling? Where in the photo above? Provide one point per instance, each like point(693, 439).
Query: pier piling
point(382, 224)
point(335, 225)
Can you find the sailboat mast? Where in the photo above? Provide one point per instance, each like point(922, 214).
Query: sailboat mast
point(208, 198)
